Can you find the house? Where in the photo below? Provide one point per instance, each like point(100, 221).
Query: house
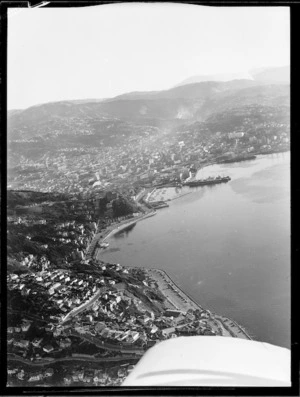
point(20, 375)
point(75, 377)
point(49, 372)
point(168, 331)
point(89, 318)
point(36, 342)
point(11, 371)
point(22, 343)
point(67, 380)
point(25, 326)
point(35, 378)
point(48, 348)
point(56, 285)
point(51, 291)
point(172, 313)
point(135, 336)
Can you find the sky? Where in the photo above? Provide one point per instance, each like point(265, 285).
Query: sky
point(102, 51)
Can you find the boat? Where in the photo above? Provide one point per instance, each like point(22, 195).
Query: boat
point(207, 181)
point(103, 245)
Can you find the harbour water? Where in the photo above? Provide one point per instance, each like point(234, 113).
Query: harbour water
point(227, 245)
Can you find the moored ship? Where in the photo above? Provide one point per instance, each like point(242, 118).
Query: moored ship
point(207, 181)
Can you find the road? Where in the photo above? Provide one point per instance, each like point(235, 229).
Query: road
point(112, 229)
point(85, 305)
point(108, 346)
point(12, 357)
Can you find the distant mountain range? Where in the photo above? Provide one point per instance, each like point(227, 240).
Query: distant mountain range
point(271, 75)
point(94, 122)
point(215, 77)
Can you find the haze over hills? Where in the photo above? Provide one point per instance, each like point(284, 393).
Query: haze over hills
point(214, 106)
point(192, 102)
point(279, 75)
point(214, 77)
point(268, 75)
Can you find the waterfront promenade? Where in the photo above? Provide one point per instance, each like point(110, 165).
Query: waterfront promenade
point(179, 300)
point(108, 232)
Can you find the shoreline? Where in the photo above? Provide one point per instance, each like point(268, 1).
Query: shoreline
point(175, 296)
point(166, 200)
point(227, 329)
point(109, 232)
point(126, 224)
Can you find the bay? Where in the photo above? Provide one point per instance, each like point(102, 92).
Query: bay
point(227, 245)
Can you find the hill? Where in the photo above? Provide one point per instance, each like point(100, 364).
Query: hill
point(61, 134)
point(130, 113)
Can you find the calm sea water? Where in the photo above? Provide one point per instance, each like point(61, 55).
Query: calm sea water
point(227, 246)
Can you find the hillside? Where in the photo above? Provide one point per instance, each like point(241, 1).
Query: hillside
point(67, 143)
point(130, 113)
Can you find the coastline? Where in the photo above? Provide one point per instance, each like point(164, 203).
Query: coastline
point(176, 298)
point(101, 237)
point(165, 200)
point(180, 300)
point(124, 225)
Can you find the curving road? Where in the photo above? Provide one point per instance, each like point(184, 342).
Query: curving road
point(12, 357)
point(108, 346)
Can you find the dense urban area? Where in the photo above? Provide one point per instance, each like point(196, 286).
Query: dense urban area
point(77, 178)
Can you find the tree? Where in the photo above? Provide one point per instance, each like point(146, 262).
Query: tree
point(122, 206)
